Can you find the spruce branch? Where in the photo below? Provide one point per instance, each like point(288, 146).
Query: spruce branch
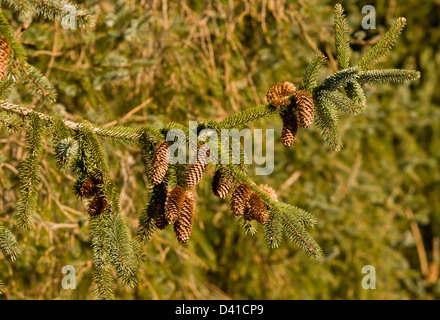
point(383, 47)
point(29, 172)
point(11, 121)
point(116, 133)
point(342, 37)
point(79, 144)
point(310, 78)
point(117, 238)
point(272, 229)
point(340, 78)
point(52, 10)
point(38, 84)
point(249, 115)
point(388, 76)
point(8, 243)
point(340, 101)
point(326, 121)
point(101, 276)
point(355, 92)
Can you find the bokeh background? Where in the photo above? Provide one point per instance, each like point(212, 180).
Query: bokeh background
point(155, 61)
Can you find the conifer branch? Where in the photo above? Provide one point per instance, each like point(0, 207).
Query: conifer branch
point(340, 78)
point(327, 122)
point(342, 38)
point(385, 44)
point(340, 101)
point(310, 78)
point(249, 115)
point(388, 76)
point(29, 172)
point(356, 94)
point(77, 147)
point(8, 243)
point(52, 10)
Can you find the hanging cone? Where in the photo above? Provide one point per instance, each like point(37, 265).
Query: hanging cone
point(88, 188)
point(197, 170)
point(255, 209)
point(5, 51)
point(239, 199)
point(221, 183)
point(278, 91)
point(173, 203)
point(184, 224)
point(290, 127)
point(161, 220)
point(270, 191)
point(306, 107)
point(159, 164)
point(97, 206)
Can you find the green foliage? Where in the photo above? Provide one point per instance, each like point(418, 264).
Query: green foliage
point(388, 76)
point(178, 56)
point(342, 38)
point(327, 121)
point(311, 75)
point(51, 9)
point(383, 47)
point(30, 173)
point(8, 243)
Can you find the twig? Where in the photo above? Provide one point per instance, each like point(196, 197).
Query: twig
point(419, 243)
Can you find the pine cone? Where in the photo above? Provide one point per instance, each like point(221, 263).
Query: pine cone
point(184, 224)
point(239, 199)
point(306, 107)
point(196, 170)
point(290, 127)
point(5, 50)
point(278, 91)
point(255, 209)
point(88, 188)
point(221, 183)
point(97, 206)
point(161, 220)
point(173, 203)
point(159, 164)
point(270, 191)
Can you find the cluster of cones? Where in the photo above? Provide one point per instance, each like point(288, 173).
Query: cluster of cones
point(249, 204)
point(177, 205)
point(89, 190)
point(300, 113)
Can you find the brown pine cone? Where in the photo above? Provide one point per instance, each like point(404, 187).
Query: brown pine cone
point(97, 206)
point(290, 127)
point(184, 224)
point(173, 203)
point(221, 183)
point(306, 107)
point(161, 220)
point(159, 164)
point(278, 91)
point(239, 199)
point(197, 170)
point(89, 188)
point(255, 209)
point(5, 51)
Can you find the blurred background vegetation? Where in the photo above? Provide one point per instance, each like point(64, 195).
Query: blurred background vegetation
point(157, 61)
